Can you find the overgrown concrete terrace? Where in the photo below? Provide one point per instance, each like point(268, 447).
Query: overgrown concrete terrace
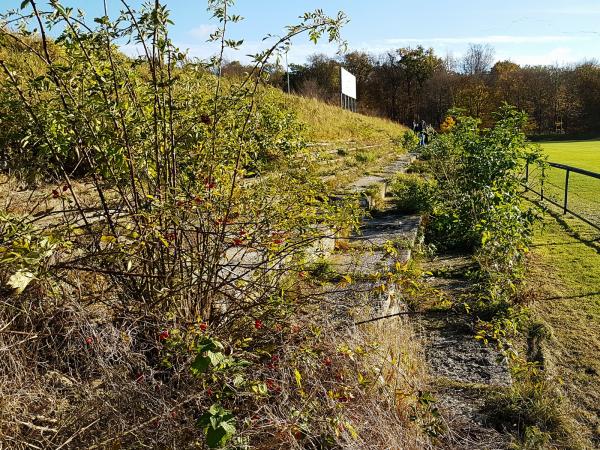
point(384, 238)
point(247, 264)
point(461, 369)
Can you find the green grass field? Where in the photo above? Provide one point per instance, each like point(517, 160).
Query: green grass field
point(583, 190)
point(565, 274)
point(583, 154)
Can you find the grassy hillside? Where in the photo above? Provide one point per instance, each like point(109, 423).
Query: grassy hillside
point(346, 145)
point(328, 123)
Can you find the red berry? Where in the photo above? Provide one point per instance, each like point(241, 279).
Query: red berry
point(89, 340)
point(272, 385)
point(238, 241)
point(65, 188)
point(258, 324)
point(278, 241)
point(327, 361)
point(203, 326)
point(164, 335)
point(209, 392)
point(55, 193)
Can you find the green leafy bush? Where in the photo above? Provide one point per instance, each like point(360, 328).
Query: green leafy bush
point(412, 193)
point(409, 141)
point(219, 426)
point(478, 205)
point(165, 233)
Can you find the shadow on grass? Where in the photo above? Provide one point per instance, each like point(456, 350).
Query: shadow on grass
point(559, 244)
point(571, 297)
point(594, 244)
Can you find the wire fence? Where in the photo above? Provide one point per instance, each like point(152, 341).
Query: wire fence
point(575, 191)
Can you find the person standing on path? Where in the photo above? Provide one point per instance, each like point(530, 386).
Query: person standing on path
point(422, 133)
point(418, 129)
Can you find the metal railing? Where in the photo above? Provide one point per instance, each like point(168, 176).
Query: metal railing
point(588, 197)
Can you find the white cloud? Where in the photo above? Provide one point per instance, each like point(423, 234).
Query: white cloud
point(541, 50)
point(132, 50)
point(493, 39)
point(297, 54)
point(202, 31)
point(559, 56)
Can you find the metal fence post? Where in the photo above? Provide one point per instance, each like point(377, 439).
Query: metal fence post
point(565, 208)
point(542, 184)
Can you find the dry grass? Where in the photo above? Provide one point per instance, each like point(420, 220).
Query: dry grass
point(404, 376)
point(78, 374)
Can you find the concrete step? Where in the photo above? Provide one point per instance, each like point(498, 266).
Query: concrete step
point(373, 186)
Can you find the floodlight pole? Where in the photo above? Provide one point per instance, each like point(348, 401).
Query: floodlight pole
point(287, 70)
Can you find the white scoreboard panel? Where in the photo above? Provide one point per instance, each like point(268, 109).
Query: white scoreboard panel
point(348, 84)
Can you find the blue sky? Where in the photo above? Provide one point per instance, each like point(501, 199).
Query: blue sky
point(525, 31)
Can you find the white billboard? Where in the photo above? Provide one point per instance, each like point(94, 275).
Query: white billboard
point(348, 84)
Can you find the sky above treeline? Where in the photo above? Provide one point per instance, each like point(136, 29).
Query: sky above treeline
point(523, 31)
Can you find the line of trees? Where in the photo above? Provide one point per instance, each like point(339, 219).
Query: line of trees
point(415, 83)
